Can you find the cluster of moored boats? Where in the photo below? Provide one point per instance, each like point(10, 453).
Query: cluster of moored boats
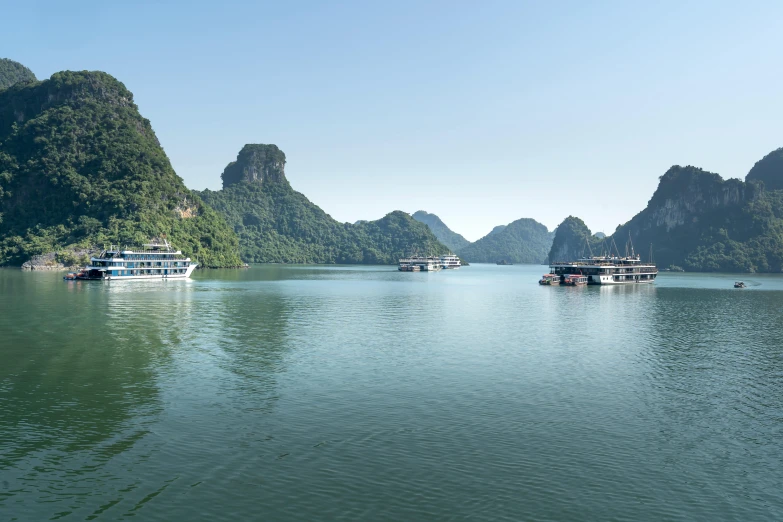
point(429, 263)
point(568, 280)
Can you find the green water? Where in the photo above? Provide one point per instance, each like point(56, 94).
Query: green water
point(361, 393)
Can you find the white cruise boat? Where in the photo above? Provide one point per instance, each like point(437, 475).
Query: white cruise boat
point(152, 261)
point(450, 262)
point(420, 264)
point(608, 270)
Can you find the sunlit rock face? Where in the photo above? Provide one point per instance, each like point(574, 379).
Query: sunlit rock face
point(256, 163)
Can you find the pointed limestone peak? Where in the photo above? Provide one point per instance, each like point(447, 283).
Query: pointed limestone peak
point(256, 163)
point(12, 72)
point(768, 169)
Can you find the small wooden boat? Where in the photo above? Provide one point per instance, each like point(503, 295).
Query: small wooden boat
point(549, 279)
point(575, 280)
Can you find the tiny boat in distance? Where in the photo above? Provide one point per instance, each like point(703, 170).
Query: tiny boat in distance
point(739, 284)
point(549, 279)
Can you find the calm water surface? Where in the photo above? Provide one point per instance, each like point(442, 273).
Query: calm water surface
point(360, 393)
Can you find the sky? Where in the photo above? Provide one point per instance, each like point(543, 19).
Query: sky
point(479, 112)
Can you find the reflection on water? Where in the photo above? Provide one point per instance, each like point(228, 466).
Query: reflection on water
point(307, 393)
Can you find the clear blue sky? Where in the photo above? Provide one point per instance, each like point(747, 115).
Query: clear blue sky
point(481, 112)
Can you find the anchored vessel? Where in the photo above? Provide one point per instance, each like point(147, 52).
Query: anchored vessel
point(420, 264)
point(429, 263)
point(608, 270)
point(549, 279)
point(152, 261)
point(575, 280)
point(450, 262)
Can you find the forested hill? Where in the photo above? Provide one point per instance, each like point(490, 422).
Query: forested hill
point(79, 166)
point(521, 241)
point(768, 170)
point(574, 240)
point(277, 224)
point(444, 234)
point(701, 222)
point(12, 72)
point(698, 221)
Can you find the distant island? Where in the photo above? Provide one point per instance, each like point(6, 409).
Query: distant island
point(444, 234)
point(522, 241)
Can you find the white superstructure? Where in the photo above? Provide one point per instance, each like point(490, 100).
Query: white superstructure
point(608, 270)
point(450, 261)
point(420, 264)
point(152, 261)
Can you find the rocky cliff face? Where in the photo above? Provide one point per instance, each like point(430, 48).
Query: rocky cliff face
point(686, 193)
point(690, 206)
point(699, 221)
point(256, 163)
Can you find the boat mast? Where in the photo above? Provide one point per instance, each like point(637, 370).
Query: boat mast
point(589, 248)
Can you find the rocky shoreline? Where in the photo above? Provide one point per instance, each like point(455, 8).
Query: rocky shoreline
point(71, 260)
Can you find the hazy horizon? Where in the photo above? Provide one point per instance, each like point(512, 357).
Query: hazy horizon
point(480, 115)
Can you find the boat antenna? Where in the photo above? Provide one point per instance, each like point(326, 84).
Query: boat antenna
point(589, 248)
point(652, 260)
point(630, 242)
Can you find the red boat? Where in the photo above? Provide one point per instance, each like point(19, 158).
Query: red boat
point(575, 280)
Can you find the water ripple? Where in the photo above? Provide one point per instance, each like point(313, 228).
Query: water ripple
point(318, 393)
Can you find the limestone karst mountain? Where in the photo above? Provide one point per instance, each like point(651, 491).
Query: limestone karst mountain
point(80, 166)
point(444, 234)
point(277, 224)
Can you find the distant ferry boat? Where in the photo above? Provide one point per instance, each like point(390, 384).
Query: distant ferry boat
point(608, 270)
point(152, 261)
point(450, 262)
point(429, 263)
point(420, 264)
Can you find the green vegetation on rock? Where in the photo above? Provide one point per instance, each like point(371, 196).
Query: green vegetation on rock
point(79, 166)
point(522, 241)
point(12, 72)
point(701, 222)
point(277, 224)
point(444, 234)
point(769, 170)
point(573, 240)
